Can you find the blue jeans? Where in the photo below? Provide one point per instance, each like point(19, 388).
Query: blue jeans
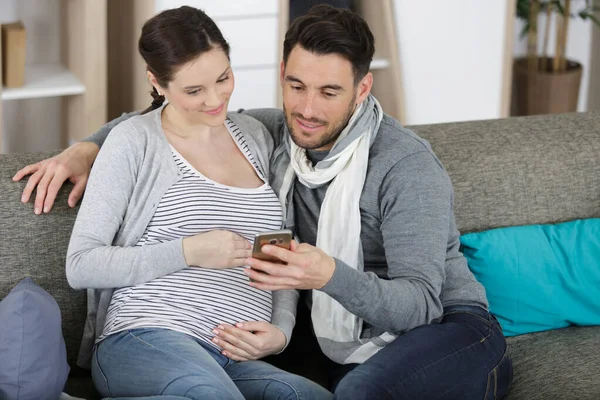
point(463, 357)
point(168, 365)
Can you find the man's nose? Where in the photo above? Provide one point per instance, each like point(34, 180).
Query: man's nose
point(307, 108)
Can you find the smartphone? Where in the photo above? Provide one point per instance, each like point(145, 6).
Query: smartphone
point(282, 238)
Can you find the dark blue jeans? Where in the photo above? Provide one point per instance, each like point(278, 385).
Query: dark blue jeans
point(462, 357)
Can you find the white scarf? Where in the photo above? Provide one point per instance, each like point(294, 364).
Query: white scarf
point(339, 224)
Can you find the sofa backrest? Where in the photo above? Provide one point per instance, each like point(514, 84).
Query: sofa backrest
point(514, 171)
point(520, 171)
point(36, 246)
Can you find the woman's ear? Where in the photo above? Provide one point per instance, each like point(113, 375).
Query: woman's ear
point(154, 82)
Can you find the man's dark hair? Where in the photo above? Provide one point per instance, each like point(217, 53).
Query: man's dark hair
point(329, 30)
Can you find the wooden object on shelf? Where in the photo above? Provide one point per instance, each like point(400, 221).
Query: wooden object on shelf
point(84, 50)
point(13, 58)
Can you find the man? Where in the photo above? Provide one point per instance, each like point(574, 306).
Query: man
point(393, 303)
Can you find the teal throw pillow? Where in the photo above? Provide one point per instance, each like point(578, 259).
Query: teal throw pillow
point(539, 277)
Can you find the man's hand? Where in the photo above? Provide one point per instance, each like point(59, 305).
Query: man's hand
point(308, 267)
point(249, 340)
point(74, 164)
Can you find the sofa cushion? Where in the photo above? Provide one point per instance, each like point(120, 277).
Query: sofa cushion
point(558, 364)
point(36, 245)
point(539, 277)
point(32, 349)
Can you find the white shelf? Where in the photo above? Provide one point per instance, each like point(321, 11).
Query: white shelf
point(45, 80)
point(380, 63)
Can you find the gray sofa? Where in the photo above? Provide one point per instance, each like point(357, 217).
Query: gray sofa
point(514, 171)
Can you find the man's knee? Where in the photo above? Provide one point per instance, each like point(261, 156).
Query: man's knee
point(294, 387)
point(359, 386)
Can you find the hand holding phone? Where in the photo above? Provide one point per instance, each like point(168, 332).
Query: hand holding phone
point(282, 238)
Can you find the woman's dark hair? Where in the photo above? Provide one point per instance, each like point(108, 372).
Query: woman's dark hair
point(329, 30)
point(173, 38)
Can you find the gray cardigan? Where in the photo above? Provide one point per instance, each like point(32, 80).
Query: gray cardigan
point(130, 175)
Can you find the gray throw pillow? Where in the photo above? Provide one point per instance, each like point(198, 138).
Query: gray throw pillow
point(33, 355)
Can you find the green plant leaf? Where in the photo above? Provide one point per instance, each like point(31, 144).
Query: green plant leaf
point(559, 7)
point(594, 19)
point(523, 9)
point(524, 30)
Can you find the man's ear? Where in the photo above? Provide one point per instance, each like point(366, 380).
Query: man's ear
point(364, 87)
point(281, 73)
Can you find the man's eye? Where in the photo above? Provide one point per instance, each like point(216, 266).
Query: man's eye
point(297, 88)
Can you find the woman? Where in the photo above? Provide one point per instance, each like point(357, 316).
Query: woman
point(173, 200)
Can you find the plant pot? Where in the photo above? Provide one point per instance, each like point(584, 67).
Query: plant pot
point(545, 92)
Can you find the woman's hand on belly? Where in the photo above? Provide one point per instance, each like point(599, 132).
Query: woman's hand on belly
point(216, 249)
point(249, 340)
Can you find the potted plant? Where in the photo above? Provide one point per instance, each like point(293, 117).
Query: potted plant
point(544, 84)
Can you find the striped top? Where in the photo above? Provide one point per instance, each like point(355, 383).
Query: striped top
point(195, 300)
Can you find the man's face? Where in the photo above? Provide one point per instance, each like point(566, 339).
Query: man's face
point(319, 97)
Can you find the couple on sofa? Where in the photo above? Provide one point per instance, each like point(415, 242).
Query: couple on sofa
point(178, 308)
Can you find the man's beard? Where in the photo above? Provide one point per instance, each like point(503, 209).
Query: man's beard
point(321, 140)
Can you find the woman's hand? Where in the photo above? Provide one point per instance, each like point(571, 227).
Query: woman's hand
point(249, 340)
point(216, 249)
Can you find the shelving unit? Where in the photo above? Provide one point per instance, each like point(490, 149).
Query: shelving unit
point(80, 79)
point(45, 80)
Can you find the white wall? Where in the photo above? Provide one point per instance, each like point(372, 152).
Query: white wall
point(579, 46)
point(452, 56)
point(34, 125)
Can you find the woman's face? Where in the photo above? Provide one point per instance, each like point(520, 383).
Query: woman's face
point(201, 88)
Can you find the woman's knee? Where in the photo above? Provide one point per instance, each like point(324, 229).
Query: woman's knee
point(285, 387)
point(196, 387)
